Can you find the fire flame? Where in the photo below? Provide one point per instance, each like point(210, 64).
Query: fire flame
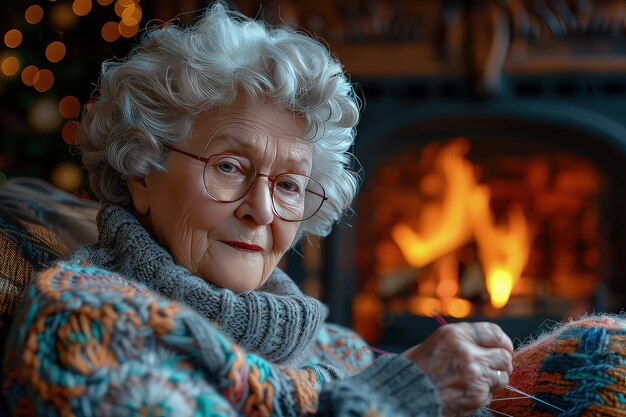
point(465, 215)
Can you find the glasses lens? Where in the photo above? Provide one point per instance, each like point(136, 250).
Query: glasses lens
point(228, 178)
point(297, 197)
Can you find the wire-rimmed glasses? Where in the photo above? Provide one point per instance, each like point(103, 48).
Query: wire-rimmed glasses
point(228, 178)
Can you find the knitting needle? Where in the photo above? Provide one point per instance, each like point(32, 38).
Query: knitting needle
point(498, 412)
point(442, 321)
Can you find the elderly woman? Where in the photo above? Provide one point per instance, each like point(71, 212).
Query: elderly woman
point(213, 150)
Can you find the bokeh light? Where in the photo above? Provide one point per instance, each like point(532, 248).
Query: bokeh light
point(55, 51)
point(33, 14)
point(28, 75)
point(67, 176)
point(128, 31)
point(131, 15)
point(69, 132)
point(110, 32)
point(69, 107)
point(62, 17)
point(105, 2)
point(43, 80)
point(10, 65)
point(13, 38)
point(126, 3)
point(43, 115)
point(119, 8)
point(81, 7)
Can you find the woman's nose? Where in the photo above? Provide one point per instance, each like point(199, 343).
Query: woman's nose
point(257, 205)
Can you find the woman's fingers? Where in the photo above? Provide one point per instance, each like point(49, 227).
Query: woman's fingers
point(489, 335)
point(500, 380)
point(467, 362)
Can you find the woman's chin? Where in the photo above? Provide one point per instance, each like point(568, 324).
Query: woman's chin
point(236, 279)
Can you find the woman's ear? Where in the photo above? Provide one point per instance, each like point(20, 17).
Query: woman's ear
point(139, 193)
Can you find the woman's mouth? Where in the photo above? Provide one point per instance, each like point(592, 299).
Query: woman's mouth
point(243, 246)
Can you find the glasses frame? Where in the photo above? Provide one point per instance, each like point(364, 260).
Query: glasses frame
point(270, 178)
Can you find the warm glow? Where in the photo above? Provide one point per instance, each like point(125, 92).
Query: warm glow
point(119, 8)
point(459, 308)
point(423, 306)
point(28, 75)
point(81, 7)
point(13, 38)
point(10, 65)
point(503, 251)
point(131, 16)
point(69, 132)
point(55, 51)
point(69, 107)
point(500, 284)
point(67, 176)
point(62, 16)
point(110, 32)
point(33, 14)
point(451, 228)
point(128, 31)
point(105, 2)
point(43, 80)
point(447, 288)
point(126, 3)
point(464, 215)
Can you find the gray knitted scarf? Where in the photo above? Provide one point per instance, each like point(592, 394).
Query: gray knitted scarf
point(277, 321)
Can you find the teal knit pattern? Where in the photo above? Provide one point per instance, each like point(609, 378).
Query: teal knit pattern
point(88, 342)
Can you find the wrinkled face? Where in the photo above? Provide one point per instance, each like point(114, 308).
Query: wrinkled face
point(234, 245)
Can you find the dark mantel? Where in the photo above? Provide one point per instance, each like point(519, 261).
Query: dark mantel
point(481, 40)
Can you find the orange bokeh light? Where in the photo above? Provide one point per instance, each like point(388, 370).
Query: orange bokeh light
point(81, 7)
point(69, 107)
point(128, 31)
point(55, 51)
point(119, 8)
point(105, 2)
point(110, 32)
point(13, 38)
point(28, 75)
point(69, 132)
point(33, 14)
point(10, 65)
point(126, 3)
point(43, 80)
point(131, 15)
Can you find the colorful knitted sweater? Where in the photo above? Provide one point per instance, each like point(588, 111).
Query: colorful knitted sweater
point(88, 342)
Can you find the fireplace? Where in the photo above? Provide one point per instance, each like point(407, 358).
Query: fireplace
point(507, 210)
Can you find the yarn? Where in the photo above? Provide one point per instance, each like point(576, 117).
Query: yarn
point(579, 367)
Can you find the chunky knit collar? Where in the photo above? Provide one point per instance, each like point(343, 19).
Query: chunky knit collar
point(277, 321)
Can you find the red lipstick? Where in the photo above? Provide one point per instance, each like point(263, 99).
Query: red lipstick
point(244, 246)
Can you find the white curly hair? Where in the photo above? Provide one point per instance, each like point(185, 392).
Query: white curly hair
point(151, 98)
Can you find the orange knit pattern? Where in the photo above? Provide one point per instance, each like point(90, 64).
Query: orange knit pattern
point(579, 367)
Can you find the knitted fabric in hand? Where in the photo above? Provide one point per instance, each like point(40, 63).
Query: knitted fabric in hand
point(579, 367)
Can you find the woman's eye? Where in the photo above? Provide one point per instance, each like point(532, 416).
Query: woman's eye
point(289, 186)
point(226, 167)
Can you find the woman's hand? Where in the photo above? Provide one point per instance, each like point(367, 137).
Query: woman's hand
point(467, 362)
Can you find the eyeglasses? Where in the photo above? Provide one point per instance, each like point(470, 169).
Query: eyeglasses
point(228, 178)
